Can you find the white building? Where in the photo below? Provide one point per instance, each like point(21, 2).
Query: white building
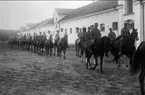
point(47, 27)
point(107, 13)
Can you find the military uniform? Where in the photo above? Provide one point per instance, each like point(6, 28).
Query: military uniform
point(88, 39)
point(88, 35)
point(57, 37)
point(111, 35)
point(66, 35)
point(124, 33)
point(95, 32)
point(84, 34)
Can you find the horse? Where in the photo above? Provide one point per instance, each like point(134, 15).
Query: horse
point(49, 46)
point(99, 47)
point(56, 41)
point(62, 46)
point(10, 42)
point(138, 66)
point(128, 47)
point(77, 47)
point(41, 44)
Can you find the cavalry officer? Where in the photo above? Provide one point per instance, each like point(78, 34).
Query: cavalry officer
point(111, 34)
point(88, 34)
point(95, 33)
point(88, 39)
point(80, 34)
point(66, 35)
point(84, 34)
point(124, 33)
point(57, 38)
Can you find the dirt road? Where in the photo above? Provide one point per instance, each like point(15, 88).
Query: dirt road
point(26, 73)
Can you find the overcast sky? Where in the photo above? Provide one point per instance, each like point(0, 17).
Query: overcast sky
point(14, 14)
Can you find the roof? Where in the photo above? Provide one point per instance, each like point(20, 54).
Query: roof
point(92, 8)
point(31, 24)
point(49, 21)
point(36, 25)
point(62, 11)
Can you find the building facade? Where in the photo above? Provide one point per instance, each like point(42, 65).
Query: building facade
point(107, 13)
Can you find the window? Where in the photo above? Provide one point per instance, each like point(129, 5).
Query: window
point(128, 6)
point(77, 29)
point(70, 30)
point(115, 25)
point(102, 27)
point(61, 29)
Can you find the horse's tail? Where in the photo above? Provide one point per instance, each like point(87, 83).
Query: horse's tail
point(137, 61)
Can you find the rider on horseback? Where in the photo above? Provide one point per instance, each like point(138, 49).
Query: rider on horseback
point(124, 33)
point(111, 35)
point(66, 35)
point(92, 35)
point(95, 33)
point(84, 34)
point(57, 38)
point(88, 39)
point(79, 36)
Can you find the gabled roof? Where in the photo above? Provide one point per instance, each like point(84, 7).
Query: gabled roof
point(62, 11)
point(31, 24)
point(36, 25)
point(49, 21)
point(91, 8)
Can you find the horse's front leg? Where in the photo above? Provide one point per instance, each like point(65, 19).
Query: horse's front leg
point(88, 64)
point(95, 62)
point(64, 51)
point(141, 80)
point(101, 63)
point(76, 50)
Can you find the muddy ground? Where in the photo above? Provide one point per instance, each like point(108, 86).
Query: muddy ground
point(26, 73)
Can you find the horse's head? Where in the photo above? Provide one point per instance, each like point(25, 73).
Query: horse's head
point(134, 35)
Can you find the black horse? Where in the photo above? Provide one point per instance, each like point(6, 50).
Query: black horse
point(99, 47)
point(56, 41)
point(62, 46)
point(137, 65)
point(49, 46)
point(128, 47)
